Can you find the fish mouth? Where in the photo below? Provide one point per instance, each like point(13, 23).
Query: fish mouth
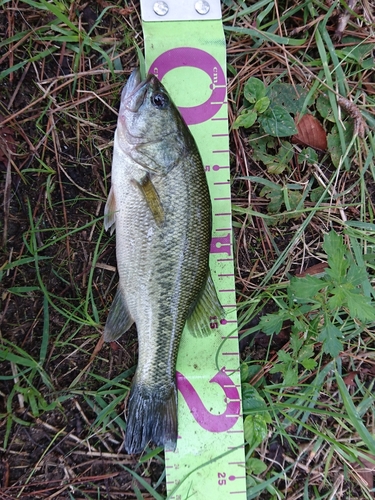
point(135, 90)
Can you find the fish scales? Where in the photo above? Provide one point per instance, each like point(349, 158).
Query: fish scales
point(160, 206)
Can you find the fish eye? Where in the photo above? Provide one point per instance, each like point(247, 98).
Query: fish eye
point(159, 100)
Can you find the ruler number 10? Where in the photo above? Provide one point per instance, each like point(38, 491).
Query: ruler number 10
point(221, 478)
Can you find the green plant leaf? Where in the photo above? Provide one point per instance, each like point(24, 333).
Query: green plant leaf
point(255, 466)
point(359, 306)
point(284, 356)
point(271, 323)
point(290, 97)
point(255, 429)
point(324, 107)
point(330, 336)
point(251, 399)
point(335, 249)
point(246, 119)
point(254, 90)
point(277, 122)
point(309, 364)
point(308, 155)
point(261, 105)
point(275, 195)
point(291, 375)
point(306, 287)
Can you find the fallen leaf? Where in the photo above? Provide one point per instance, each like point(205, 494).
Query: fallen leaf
point(310, 133)
point(349, 379)
point(316, 269)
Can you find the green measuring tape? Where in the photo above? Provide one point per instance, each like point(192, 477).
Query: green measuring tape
point(185, 48)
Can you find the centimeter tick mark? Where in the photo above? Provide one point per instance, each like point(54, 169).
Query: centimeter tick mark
point(216, 168)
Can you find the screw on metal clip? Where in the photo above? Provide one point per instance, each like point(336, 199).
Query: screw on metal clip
point(161, 8)
point(202, 7)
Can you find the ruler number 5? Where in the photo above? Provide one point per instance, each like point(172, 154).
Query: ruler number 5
point(221, 481)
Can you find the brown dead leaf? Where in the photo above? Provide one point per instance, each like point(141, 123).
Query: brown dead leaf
point(367, 472)
point(310, 133)
point(349, 379)
point(316, 269)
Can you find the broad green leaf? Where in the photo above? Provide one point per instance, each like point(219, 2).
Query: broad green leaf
point(293, 199)
point(295, 342)
point(276, 168)
point(276, 198)
point(356, 275)
point(285, 152)
point(306, 352)
point(277, 122)
point(251, 400)
point(309, 364)
point(284, 356)
point(359, 306)
point(357, 53)
point(334, 144)
point(255, 429)
point(306, 287)
point(288, 96)
point(291, 376)
point(246, 120)
point(261, 105)
point(317, 193)
point(324, 107)
point(254, 90)
point(335, 249)
point(330, 336)
point(308, 155)
point(337, 299)
point(255, 466)
point(244, 369)
point(271, 323)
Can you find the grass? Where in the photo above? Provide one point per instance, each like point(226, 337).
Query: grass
point(304, 224)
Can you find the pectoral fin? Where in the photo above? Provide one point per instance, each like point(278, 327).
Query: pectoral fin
point(152, 198)
point(110, 212)
point(119, 319)
point(206, 306)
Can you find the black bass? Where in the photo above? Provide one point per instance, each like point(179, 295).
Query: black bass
point(160, 205)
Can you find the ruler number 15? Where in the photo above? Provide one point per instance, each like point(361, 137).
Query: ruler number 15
point(221, 478)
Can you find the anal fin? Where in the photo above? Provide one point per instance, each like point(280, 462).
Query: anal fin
point(207, 305)
point(119, 319)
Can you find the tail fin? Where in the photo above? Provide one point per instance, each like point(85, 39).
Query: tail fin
point(152, 416)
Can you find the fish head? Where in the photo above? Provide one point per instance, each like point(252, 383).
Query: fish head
point(150, 128)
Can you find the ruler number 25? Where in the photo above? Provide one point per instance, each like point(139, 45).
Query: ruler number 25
point(221, 478)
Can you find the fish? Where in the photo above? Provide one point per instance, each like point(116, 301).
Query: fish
point(159, 204)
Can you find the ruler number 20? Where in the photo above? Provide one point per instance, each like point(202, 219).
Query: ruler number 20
point(221, 478)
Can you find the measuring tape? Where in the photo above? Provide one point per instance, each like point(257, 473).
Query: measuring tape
point(185, 48)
